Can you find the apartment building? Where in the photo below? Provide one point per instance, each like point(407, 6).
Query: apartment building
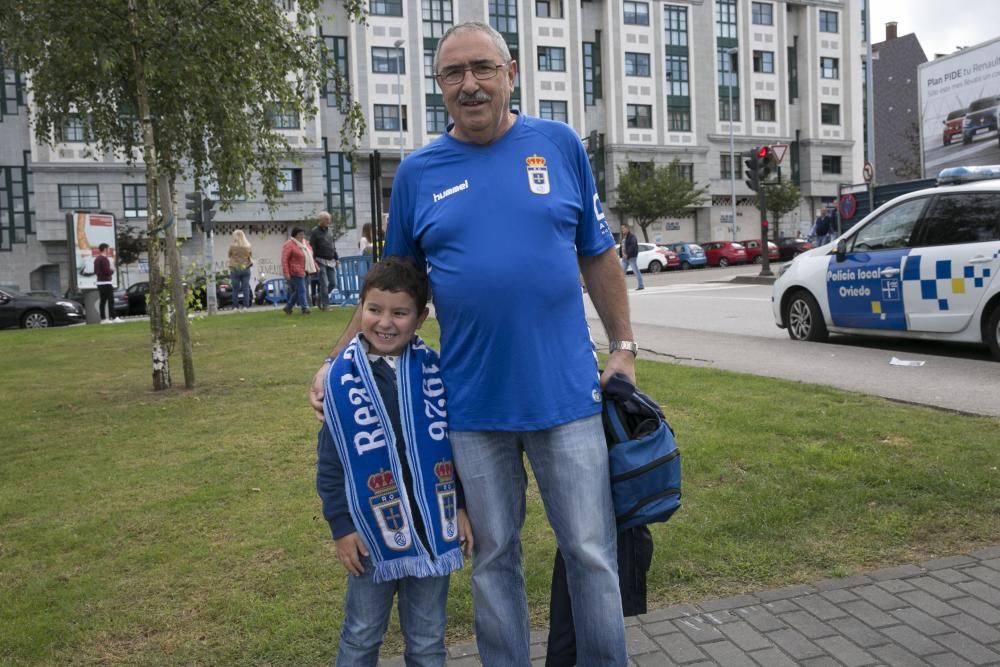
point(639, 82)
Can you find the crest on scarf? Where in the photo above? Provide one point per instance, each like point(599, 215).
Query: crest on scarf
point(446, 499)
point(538, 175)
point(387, 506)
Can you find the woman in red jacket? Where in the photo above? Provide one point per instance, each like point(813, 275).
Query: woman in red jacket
point(296, 263)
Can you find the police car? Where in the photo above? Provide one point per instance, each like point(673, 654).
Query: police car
point(922, 266)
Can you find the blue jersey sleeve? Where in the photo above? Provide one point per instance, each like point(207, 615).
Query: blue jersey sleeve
point(399, 238)
point(593, 236)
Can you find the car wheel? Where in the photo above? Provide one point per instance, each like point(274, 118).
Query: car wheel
point(993, 332)
point(685, 266)
point(723, 262)
point(804, 318)
point(654, 267)
point(36, 319)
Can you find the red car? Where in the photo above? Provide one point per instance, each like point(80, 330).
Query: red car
point(953, 125)
point(752, 246)
point(724, 253)
point(673, 259)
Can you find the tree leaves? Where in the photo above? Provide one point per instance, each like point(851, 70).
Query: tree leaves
point(648, 193)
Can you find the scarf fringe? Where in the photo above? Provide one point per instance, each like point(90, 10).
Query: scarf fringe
point(418, 566)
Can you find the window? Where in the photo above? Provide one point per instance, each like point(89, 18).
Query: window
point(280, 119)
point(763, 110)
point(639, 115)
point(827, 21)
point(591, 73)
point(725, 18)
point(549, 9)
point(386, 60)
point(553, 110)
point(763, 62)
point(437, 119)
point(15, 207)
point(724, 111)
point(636, 13)
point(679, 120)
point(551, 59)
point(830, 114)
point(677, 76)
point(727, 77)
point(762, 13)
point(135, 200)
point(340, 187)
point(287, 5)
point(831, 164)
point(684, 171)
point(503, 16)
point(892, 229)
point(431, 84)
point(79, 196)
point(387, 117)
point(675, 26)
point(644, 170)
point(728, 165)
point(636, 64)
point(337, 92)
point(289, 180)
point(74, 130)
point(437, 17)
point(829, 68)
point(386, 7)
point(11, 88)
point(968, 217)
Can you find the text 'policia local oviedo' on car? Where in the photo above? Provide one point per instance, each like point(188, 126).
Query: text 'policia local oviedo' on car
point(922, 266)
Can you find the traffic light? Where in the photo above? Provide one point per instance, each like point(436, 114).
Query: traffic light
point(193, 205)
point(208, 213)
point(767, 162)
point(753, 169)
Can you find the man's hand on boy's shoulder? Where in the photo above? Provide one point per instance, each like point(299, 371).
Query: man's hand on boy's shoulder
point(350, 551)
point(316, 390)
point(465, 538)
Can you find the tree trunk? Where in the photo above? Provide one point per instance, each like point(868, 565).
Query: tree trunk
point(177, 284)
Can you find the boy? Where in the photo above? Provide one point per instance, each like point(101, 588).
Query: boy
point(386, 474)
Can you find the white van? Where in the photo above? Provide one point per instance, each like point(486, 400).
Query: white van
point(922, 266)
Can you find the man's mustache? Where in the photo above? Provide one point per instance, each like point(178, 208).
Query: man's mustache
point(478, 96)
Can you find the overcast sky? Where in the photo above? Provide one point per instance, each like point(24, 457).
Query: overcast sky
point(940, 25)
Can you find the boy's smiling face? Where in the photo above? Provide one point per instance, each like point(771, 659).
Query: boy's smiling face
point(389, 320)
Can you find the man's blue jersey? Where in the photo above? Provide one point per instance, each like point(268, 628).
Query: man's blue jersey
point(500, 227)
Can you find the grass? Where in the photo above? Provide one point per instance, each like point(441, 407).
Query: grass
point(182, 527)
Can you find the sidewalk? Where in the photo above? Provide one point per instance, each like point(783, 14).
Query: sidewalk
point(941, 612)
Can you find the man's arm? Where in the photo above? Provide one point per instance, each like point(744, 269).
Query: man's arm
point(606, 285)
point(316, 389)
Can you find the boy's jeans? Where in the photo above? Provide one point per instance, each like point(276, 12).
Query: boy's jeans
point(366, 616)
point(570, 463)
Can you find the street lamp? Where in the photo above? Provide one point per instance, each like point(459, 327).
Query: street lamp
point(732, 55)
point(399, 94)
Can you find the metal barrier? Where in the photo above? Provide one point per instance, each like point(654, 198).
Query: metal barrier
point(275, 291)
point(350, 277)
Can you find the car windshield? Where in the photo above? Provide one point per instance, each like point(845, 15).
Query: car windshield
point(695, 248)
point(956, 114)
point(984, 103)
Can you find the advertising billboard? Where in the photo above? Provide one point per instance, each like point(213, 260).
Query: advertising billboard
point(959, 104)
point(87, 232)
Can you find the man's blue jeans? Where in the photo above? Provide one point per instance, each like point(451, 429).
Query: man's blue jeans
point(297, 294)
point(570, 464)
point(634, 263)
point(422, 618)
point(327, 281)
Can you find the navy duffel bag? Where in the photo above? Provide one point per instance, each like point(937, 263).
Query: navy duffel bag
point(645, 462)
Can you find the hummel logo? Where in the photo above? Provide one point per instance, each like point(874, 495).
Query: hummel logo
point(464, 185)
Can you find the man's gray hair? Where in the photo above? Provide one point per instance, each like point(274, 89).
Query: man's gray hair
point(474, 26)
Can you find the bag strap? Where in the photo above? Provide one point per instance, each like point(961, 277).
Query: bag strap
point(613, 422)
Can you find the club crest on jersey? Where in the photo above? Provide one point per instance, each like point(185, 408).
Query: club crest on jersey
point(387, 506)
point(446, 499)
point(538, 175)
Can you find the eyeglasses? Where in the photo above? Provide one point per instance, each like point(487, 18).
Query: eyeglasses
point(482, 71)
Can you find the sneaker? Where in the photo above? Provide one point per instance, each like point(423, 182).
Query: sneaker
point(118, 319)
point(287, 311)
point(639, 288)
point(306, 312)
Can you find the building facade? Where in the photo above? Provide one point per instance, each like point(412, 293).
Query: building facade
point(640, 82)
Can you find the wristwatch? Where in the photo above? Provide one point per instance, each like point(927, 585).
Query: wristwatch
point(629, 345)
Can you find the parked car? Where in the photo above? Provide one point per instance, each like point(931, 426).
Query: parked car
point(724, 253)
point(752, 246)
point(138, 293)
point(673, 259)
point(979, 118)
point(791, 247)
point(37, 312)
point(120, 302)
point(651, 258)
point(691, 254)
point(922, 266)
point(953, 125)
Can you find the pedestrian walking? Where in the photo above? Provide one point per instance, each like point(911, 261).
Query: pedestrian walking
point(629, 250)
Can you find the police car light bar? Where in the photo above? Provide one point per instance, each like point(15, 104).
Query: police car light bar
point(958, 175)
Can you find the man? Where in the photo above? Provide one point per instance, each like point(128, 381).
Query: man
point(105, 286)
point(630, 254)
point(325, 254)
point(503, 211)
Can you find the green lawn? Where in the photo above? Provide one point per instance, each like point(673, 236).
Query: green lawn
point(183, 527)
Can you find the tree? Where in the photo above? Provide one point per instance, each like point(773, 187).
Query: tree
point(782, 197)
point(648, 193)
point(190, 83)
